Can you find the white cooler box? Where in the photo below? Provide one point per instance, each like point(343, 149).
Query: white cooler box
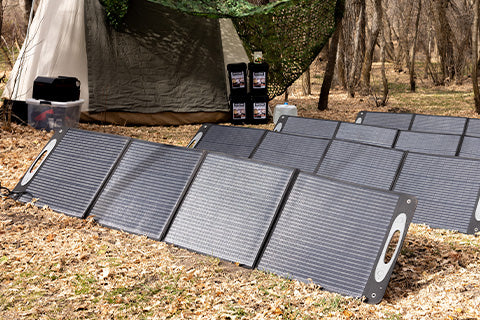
point(53, 115)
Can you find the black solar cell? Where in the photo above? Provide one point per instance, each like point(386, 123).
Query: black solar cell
point(72, 175)
point(229, 207)
point(447, 189)
point(145, 188)
point(335, 234)
point(299, 152)
point(401, 121)
point(431, 143)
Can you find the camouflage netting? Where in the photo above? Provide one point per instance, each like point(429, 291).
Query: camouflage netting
point(290, 33)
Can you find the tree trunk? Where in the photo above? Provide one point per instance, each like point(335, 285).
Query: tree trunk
point(413, 49)
point(383, 102)
point(332, 57)
point(306, 83)
point(359, 51)
point(341, 74)
point(370, 47)
point(444, 36)
point(356, 53)
point(476, 92)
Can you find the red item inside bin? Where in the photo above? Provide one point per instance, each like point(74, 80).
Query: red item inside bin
point(43, 116)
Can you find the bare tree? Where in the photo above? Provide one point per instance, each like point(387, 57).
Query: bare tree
point(444, 36)
point(352, 43)
point(476, 92)
point(332, 56)
point(383, 102)
point(460, 18)
point(306, 83)
point(370, 46)
point(413, 49)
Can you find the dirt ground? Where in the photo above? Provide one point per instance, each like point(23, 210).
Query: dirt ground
point(56, 267)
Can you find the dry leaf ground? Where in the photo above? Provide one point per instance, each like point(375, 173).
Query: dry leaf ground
point(56, 267)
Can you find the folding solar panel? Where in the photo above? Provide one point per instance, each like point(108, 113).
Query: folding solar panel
point(236, 141)
point(229, 208)
point(399, 121)
point(368, 165)
point(336, 234)
point(76, 165)
point(470, 147)
point(438, 124)
point(319, 128)
point(367, 134)
point(295, 151)
point(145, 188)
point(473, 127)
point(431, 143)
point(447, 189)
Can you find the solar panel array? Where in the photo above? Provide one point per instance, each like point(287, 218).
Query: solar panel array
point(382, 167)
point(273, 217)
point(72, 175)
point(218, 204)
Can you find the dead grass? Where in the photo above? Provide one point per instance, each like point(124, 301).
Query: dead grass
point(56, 267)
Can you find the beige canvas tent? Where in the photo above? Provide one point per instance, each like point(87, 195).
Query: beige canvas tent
point(166, 67)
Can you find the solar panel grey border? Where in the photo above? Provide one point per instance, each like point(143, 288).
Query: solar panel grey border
point(470, 147)
point(428, 142)
point(340, 130)
point(155, 230)
point(473, 127)
point(401, 121)
point(379, 275)
point(373, 135)
point(43, 159)
point(329, 133)
point(301, 152)
point(439, 124)
point(360, 169)
point(204, 130)
point(421, 123)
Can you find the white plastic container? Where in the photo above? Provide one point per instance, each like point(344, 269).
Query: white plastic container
point(53, 115)
point(284, 109)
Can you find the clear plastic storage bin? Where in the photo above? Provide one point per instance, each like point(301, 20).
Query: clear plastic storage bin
point(53, 115)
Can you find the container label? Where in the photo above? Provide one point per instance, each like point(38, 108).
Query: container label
point(259, 81)
point(239, 111)
point(259, 110)
point(238, 80)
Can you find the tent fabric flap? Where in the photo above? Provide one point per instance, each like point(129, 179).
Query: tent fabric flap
point(163, 61)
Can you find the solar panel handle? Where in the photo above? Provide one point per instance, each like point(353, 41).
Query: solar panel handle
point(382, 268)
point(38, 162)
point(195, 140)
